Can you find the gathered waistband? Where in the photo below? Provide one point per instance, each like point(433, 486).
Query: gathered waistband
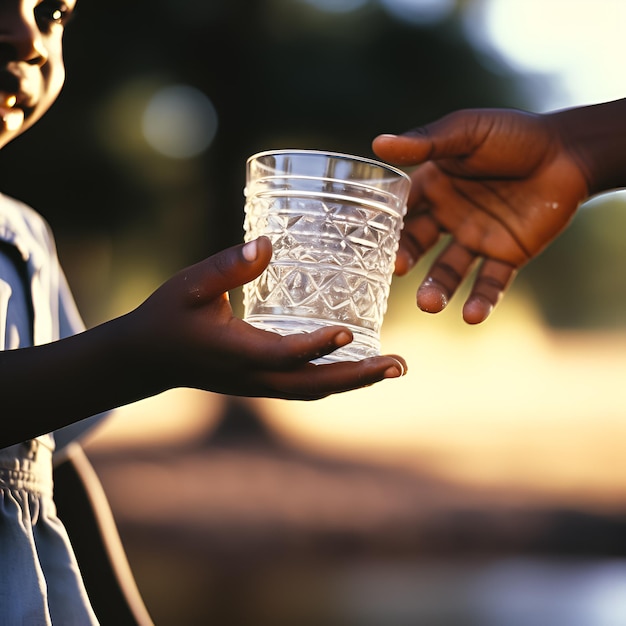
point(27, 466)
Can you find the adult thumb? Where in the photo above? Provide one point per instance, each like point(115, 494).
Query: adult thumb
point(454, 135)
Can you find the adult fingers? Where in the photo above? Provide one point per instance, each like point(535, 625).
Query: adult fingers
point(420, 234)
point(454, 135)
point(492, 280)
point(403, 149)
point(444, 277)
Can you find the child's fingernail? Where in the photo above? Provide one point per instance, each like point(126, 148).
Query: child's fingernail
point(343, 338)
point(395, 371)
point(250, 251)
point(388, 136)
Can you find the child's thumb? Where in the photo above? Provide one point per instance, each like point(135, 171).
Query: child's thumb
point(228, 269)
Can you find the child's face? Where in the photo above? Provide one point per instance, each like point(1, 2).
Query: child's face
point(31, 61)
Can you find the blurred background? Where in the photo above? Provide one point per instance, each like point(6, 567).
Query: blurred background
point(488, 486)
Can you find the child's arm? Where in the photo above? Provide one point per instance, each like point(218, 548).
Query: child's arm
point(502, 184)
point(184, 335)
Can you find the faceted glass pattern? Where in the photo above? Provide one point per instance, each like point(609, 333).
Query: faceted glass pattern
point(334, 254)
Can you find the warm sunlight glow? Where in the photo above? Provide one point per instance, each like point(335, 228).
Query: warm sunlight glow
point(172, 417)
point(503, 404)
point(579, 43)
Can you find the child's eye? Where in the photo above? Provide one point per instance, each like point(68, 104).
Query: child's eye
point(51, 12)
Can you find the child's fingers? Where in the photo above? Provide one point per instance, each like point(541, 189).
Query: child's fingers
point(318, 381)
point(271, 351)
point(227, 269)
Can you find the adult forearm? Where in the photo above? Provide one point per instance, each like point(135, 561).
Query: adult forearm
point(596, 136)
point(50, 386)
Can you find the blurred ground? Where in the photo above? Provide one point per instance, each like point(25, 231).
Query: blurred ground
point(239, 527)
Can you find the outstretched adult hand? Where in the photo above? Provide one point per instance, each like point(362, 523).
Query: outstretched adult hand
point(202, 344)
point(502, 184)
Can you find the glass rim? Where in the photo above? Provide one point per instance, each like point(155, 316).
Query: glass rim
point(335, 155)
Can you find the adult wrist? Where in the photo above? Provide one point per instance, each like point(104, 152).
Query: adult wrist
point(595, 136)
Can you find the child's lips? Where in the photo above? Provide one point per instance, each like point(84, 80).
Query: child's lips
point(8, 100)
point(12, 116)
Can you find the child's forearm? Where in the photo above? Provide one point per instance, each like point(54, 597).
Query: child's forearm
point(50, 386)
point(596, 136)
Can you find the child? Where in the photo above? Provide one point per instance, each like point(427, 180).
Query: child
point(54, 373)
point(502, 184)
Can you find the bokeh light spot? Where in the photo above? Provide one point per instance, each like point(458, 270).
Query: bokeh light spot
point(179, 122)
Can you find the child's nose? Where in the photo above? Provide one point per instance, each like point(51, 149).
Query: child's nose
point(20, 38)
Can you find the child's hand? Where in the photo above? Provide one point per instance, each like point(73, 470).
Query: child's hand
point(188, 329)
point(501, 183)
